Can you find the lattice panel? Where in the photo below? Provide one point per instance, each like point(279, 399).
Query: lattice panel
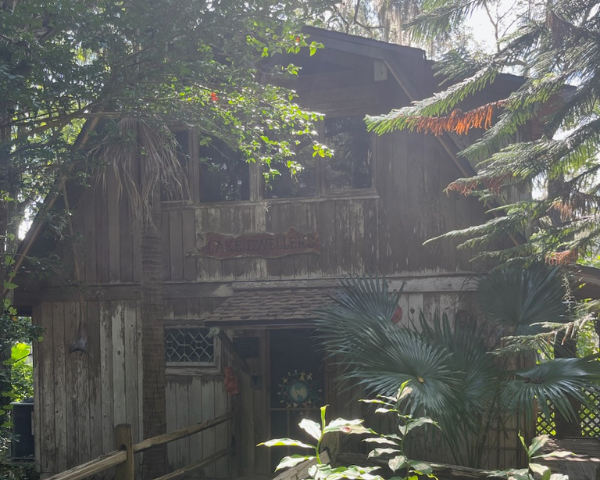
point(188, 345)
point(589, 420)
point(544, 425)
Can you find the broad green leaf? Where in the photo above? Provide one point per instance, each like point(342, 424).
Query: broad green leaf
point(385, 410)
point(537, 443)
point(285, 442)
point(292, 461)
point(546, 475)
point(537, 468)
point(419, 422)
point(385, 441)
point(382, 451)
point(312, 428)
point(421, 467)
point(347, 426)
point(559, 476)
point(397, 463)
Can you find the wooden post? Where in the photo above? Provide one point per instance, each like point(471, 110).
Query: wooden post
point(124, 441)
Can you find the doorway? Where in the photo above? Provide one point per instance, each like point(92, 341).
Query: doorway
point(297, 380)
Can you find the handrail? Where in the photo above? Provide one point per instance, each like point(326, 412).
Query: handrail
point(194, 466)
point(92, 467)
point(181, 433)
point(124, 456)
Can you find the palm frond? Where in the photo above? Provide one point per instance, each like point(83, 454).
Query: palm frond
point(520, 298)
point(554, 382)
point(143, 155)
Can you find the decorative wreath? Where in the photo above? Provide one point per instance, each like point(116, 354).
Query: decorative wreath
point(299, 389)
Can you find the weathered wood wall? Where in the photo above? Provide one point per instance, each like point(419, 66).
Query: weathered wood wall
point(81, 397)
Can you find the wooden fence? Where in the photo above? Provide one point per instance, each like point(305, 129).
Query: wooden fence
point(122, 457)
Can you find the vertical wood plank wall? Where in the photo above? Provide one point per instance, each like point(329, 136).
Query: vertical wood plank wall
point(85, 395)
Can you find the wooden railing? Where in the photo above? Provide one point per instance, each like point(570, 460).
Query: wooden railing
point(122, 458)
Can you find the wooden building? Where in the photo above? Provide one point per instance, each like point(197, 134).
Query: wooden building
point(254, 261)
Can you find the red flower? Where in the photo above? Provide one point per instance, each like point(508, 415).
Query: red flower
point(214, 97)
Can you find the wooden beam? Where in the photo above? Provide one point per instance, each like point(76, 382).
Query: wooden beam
point(92, 467)
point(190, 468)
point(231, 349)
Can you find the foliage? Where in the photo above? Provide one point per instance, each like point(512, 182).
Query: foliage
point(324, 471)
point(15, 377)
point(398, 460)
point(554, 46)
point(533, 468)
point(453, 378)
point(21, 373)
point(67, 66)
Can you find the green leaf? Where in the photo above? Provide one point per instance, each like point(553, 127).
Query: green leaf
point(312, 428)
point(9, 285)
point(347, 426)
point(382, 451)
point(546, 475)
point(419, 422)
point(381, 440)
point(292, 461)
point(285, 442)
point(538, 468)
point(397, 463)
point(421, 467)
point(537, 443)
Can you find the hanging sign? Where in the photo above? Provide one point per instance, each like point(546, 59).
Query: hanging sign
point(267, 245)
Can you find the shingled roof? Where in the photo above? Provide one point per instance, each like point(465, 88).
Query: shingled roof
point(271, 307)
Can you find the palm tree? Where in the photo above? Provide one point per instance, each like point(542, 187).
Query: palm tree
point(152, 149)
point(453, 376)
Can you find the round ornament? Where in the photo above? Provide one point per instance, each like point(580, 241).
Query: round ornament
point(299, 389)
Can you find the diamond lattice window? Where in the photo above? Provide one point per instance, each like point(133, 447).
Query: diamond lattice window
point(189, 345)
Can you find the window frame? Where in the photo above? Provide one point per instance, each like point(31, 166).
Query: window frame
point(257, 185)
point(193, 368)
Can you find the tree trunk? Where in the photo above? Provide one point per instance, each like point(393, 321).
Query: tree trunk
point(565, 428)
point(153, 351)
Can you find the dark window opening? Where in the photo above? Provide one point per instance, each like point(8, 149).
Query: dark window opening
point(298, 184)
point(350, 166)
point(224, 174)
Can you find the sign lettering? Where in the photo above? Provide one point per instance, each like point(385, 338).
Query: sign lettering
point(267, 245)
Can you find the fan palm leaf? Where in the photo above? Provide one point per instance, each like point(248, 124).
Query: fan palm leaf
point(520, 298)
point(554, 382)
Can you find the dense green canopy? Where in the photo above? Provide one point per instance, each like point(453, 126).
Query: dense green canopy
point(545, 136)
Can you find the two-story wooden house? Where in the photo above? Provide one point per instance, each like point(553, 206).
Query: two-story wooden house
point(254, 260)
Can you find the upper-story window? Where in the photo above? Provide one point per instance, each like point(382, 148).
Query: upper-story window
point(350, 166)
point(301, 184)
point(348, 169)
point(216, 173)
point(224, 175)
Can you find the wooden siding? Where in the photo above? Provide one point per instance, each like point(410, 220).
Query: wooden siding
point(81, 397)
point(379, 230)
